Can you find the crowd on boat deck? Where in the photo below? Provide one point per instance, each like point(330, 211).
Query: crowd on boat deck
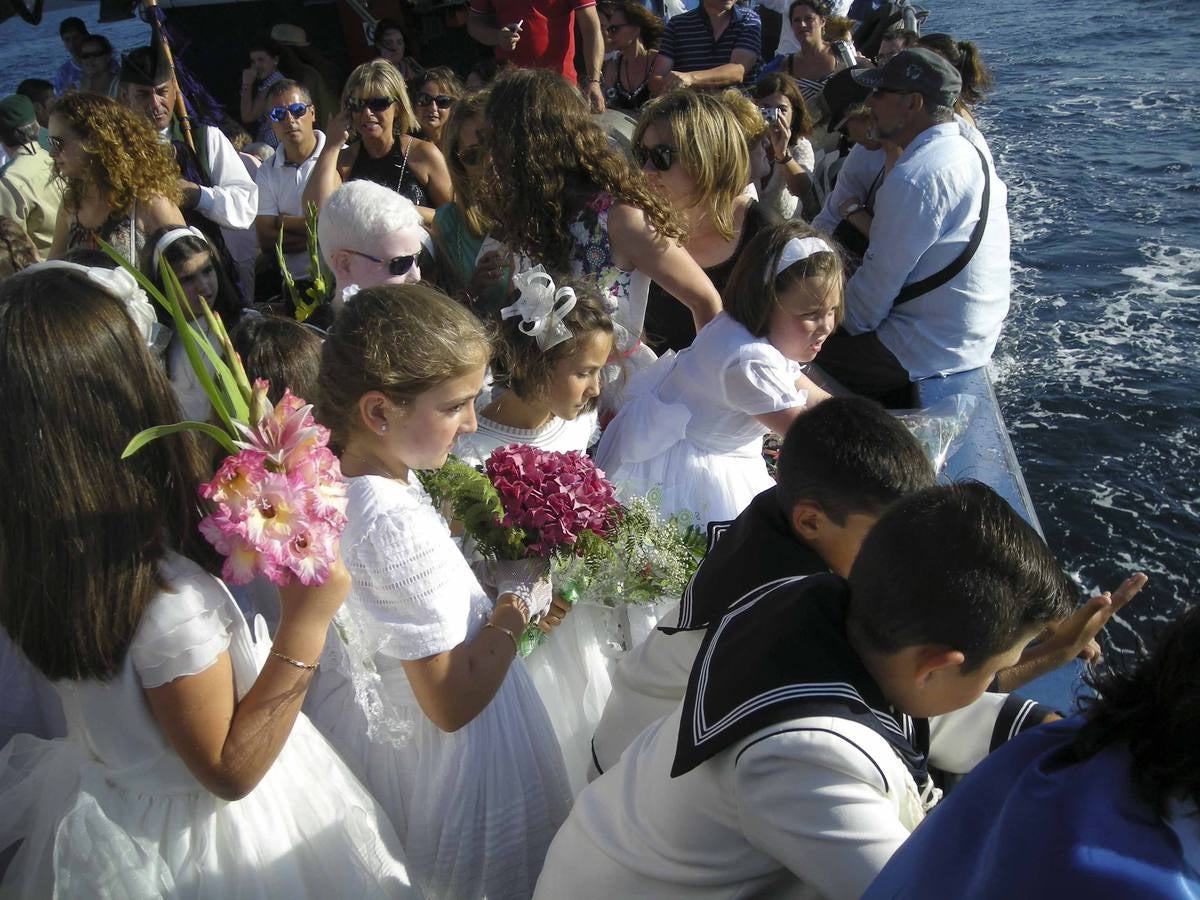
point(635, 231)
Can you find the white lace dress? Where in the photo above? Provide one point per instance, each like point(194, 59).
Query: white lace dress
point(571, 672)
point(111, 811)
point(475, 808)
point(688, 423)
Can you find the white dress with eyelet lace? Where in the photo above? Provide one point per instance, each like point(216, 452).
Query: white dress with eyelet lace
point(475, 808)
point(112, 811)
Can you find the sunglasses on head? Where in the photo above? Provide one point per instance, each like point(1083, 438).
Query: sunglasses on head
point(396, 266)
point(471, 156)
point(442, 101)
point(295, 110)
point(659, 156)
point(374, 104)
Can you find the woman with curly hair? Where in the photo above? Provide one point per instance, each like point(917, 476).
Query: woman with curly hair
point(561, 196)
point(122, 182)
point(377, 119)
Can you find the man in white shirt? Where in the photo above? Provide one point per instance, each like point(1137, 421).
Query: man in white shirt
point(281, 179)
point(933, 289)
point(215, 184)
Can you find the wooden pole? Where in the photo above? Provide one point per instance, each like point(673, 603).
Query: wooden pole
point(181, 113)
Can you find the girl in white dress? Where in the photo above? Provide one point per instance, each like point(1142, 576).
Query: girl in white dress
point(693, 423)
point(554, 344)
point(186, 770)
point(432, 707)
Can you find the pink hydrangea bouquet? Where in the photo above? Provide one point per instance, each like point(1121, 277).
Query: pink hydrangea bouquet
point(277, 500)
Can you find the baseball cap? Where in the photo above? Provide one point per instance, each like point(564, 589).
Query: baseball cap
point(15, 111)
point(915, 71)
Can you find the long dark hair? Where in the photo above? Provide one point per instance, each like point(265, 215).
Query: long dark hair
point(1152, 706)
point(548, 160)
point(82, 531)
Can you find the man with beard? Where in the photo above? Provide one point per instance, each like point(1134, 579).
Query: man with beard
point(933, 288)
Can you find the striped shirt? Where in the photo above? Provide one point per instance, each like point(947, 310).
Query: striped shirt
point(688, 39)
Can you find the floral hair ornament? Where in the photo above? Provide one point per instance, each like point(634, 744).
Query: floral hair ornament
point(124, 287)
point(171, 237)
point(794, 251)
point(542, 307)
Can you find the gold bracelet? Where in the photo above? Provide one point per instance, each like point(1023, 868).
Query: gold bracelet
point(509, 632)
point(293, 662)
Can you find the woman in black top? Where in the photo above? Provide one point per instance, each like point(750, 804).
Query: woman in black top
point(696, 149)
point(632, 32)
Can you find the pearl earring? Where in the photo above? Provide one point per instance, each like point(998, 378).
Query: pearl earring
point(383, 428)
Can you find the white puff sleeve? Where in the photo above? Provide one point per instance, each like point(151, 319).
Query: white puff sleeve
point(410, 578)
point(185, 628)
point(761, 380)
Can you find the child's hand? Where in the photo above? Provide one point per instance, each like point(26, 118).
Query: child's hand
point(1075, 635)
point(319, 602)
point(553, 616)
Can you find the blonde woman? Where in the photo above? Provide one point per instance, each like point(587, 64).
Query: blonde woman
point(695, 149)
point(376, 117)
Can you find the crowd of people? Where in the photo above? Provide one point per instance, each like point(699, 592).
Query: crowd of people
point(658, 247)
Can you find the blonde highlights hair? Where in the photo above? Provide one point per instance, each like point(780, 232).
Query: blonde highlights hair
point(400, 340)
point(128, 161)
point(379, 78)
point(750, 295)
point(711, 144)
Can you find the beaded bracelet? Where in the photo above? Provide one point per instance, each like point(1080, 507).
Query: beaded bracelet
point(293, 662)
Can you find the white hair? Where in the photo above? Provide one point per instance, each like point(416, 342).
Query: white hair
point(358, 215)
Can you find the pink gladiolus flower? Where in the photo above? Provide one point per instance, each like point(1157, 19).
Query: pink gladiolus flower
point(279, 503)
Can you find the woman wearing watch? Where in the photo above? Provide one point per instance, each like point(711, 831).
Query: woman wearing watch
point(788, 187)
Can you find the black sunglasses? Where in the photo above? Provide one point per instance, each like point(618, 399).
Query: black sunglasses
point(374, 104)
point(56, 144)
point(396, 266)
point(95, 54)
point(297, 110)
point(442, 101)
point(471, 156)
point(659, 156)
point(882, 90)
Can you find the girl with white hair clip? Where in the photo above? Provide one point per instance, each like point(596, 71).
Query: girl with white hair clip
point(694, 422)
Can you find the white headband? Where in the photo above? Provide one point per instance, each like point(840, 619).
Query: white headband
point(542, 307)
point(171, 237)
point(795, 250)
point(119, 284)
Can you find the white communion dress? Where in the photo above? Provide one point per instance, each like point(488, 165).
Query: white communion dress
point(476, 808)
point(111, 811)
point(571, 671)
point(688, 423)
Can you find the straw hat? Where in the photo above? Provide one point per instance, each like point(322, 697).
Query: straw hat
point(291, 35)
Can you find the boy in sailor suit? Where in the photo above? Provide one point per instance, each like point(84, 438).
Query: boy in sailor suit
point(798, 760)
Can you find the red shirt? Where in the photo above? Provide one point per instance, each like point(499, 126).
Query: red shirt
point(547, 37)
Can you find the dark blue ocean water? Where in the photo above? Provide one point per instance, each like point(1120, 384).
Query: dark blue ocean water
point(1093, 122)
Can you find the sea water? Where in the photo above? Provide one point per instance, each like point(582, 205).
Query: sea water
point(1093, 123)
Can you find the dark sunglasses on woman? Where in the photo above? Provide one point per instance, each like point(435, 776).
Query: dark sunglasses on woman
point(374, 104)
point(396, 266)
point(295, 110)
point(471, 156)
point(659, 156)
point(442, 101)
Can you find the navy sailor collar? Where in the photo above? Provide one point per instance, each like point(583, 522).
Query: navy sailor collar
point(779, 654)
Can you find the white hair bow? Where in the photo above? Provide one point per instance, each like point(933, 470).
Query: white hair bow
point(542, 307)
point(795, 250)
point(124, 287)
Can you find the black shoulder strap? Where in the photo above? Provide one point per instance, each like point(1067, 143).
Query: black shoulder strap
point(937, 279)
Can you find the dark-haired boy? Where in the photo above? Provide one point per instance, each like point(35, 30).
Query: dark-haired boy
point(797, 762)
